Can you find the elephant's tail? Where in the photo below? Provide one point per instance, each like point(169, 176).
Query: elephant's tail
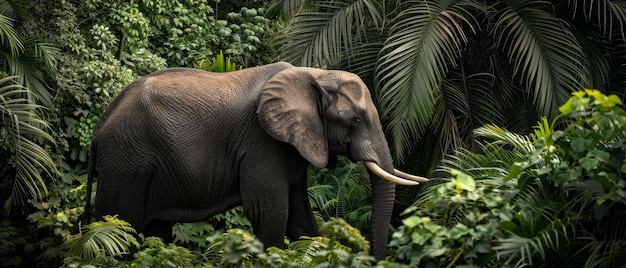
point(85, 218)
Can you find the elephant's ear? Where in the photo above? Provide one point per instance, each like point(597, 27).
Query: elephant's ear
point(289, 110)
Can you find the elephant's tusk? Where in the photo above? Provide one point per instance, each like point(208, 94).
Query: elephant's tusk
point(386, 175)
point(409, 176)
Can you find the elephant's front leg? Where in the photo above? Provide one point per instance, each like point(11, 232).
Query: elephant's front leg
point(301, 220)
point(266, 206)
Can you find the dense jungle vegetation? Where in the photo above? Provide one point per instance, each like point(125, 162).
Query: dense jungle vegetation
point(514, 108)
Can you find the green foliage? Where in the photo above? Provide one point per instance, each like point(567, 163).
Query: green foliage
point(341, 246)
point(234, 248)
point(192, 235)
point(111, 237)
point(10, 239)
point(245, 35)
point(559, 200)
point(219, 64)
point(439, 69)
point(157, 254)
point(232, 219)
point(22, 128)
point(341, 193)
point(339, 230)
point(457, 226)
point(55, 218)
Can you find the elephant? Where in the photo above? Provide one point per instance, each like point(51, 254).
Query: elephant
point(181, 145)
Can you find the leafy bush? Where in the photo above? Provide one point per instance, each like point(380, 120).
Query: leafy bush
point(156, 254)
point(110, 243)
point(553, 198)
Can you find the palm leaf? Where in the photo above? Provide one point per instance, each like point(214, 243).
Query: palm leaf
point(465, 103)
point(111, 237)
point(522, 250)
point(610, 16)
point(20, 118)
point(362, 59)
point(15, 9)
point(287, 8)
point(423, 40)
point(8, 36)
point(520, 116)
point(499, 135)
point(542, 50)
point(320, 36)
point(31, 67)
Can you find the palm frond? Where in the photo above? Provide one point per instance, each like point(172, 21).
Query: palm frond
point(483, 107)
point(15, 9)
point(607, 249)
point(8, 36)
point(287, 8)
point(522, 250)
point(31, 67)
point(499, 135)
point(450, 100)
point(609, 16)
point(320, 36)
point(111, 237)
point(542, 50)
point(596, 50)
point(519, 115)
point(493, 164)
point(20, 118)
point(424, 39)
point(362, 59)
point(465, 103)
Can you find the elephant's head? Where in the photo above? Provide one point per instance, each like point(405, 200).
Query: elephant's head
point(327, 113)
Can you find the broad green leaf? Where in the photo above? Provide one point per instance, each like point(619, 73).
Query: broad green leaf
point(464, 182)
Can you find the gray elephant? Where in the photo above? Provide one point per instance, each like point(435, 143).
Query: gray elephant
point(181, 145)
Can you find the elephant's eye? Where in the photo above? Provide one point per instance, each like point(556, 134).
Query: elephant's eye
point(356, 121)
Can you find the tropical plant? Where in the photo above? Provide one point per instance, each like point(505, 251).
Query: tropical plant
point(21, 129)
point(441, 68)
point(25, 54)
point(555, 198)
point(27, 60)
point(108, 238)
point(220, 63)
point(156, 254)
point(341, 193)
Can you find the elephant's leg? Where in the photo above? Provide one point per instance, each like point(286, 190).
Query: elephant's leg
point(160, 228)
point(301, 220)
point(266, 206)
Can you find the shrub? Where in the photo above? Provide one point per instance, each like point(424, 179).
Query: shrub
point(556, 197)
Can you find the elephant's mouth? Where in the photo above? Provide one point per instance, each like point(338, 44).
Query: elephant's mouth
point(398, 177)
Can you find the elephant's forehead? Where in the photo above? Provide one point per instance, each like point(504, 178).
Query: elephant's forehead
point(355, 91)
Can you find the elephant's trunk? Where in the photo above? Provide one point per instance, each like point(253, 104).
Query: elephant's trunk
point(383, 197)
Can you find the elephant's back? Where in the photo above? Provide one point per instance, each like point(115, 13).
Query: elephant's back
point(187, 87)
